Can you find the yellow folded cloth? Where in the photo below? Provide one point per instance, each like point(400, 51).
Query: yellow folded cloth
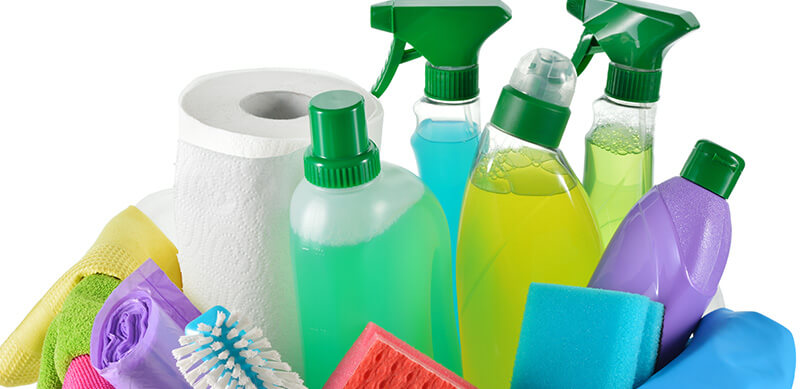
point(124, 244)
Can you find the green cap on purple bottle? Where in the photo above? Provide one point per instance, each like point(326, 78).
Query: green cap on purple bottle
point(713, 167)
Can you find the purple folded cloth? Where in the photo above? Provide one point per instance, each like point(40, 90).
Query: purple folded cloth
point(137, 328)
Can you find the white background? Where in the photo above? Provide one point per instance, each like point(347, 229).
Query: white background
point(88, 114)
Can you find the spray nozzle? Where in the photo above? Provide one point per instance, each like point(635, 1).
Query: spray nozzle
point(636, 36)
point(447, 33)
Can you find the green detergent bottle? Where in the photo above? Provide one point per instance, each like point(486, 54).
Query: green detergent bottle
point(369, 244)
point(619, 148)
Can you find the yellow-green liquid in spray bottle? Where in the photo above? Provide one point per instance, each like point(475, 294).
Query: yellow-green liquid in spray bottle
point(526, 218)
point(618, 164)
point(635, 36)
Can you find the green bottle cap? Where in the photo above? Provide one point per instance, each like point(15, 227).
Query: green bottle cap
point(637, 86)
point(341, 154)
point(636, 36)
point(448, 33)
point(713, 167)
point(535, 105)
point(452, 84)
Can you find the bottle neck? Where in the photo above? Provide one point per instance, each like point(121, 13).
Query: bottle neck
point(430, 100)
point(500, 139)
point(447, 121)
point(629, 104)
point(622, 126)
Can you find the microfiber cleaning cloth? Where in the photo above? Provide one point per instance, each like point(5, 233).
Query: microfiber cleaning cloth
point(380, 360)
point(137, 329)
point(125, 243)
point(81, 375)
point(577, 338)
point(69, 332)
point(732, 350)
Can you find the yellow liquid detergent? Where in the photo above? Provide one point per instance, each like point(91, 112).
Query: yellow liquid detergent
point(525, 219)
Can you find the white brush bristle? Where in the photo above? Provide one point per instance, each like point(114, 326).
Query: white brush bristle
point(260, 344)
point(213, 359)
point(253, 333)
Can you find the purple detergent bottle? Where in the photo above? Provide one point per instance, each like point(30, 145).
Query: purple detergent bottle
point(673, 245)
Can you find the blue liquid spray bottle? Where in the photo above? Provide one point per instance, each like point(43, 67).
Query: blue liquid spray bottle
point(448, 34)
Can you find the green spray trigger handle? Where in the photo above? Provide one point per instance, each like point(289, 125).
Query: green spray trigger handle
point(635, 36)
point(586, 49)
point(632, 33)
point(448, 33)
point(398, 55)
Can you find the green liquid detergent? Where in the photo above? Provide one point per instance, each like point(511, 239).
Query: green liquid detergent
point(618, 172)
point(367, 246)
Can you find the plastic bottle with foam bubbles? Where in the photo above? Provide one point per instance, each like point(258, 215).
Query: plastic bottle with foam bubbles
point(526, 218)
point(370, 243)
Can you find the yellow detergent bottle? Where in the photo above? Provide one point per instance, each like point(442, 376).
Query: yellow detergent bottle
point(525, 217)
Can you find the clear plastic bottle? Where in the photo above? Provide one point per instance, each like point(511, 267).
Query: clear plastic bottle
point(369, 243)
point(635, 36)
point(526, 218)
point(449, 35)
point(619, 159)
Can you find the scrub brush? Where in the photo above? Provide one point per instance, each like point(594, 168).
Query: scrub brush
point(222, 351)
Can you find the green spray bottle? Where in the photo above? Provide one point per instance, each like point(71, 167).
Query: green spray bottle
point(448, 34)
point(619, 157)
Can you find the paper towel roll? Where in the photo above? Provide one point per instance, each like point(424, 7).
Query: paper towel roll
point(242, 136)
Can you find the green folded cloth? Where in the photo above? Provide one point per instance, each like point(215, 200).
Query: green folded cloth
point(69, 333)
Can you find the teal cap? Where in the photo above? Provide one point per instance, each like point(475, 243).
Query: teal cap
point(713, 167)
point(341, 154)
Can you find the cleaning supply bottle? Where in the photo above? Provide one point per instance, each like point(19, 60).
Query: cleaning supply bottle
point(619, 156)
point(673, 245)
point(526, 218)
point(369, 243)
point(449, 34)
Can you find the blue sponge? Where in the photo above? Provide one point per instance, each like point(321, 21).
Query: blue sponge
point(576, 338)
point(650, 339)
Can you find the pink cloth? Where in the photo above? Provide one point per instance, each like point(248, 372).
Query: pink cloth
point(81, 375)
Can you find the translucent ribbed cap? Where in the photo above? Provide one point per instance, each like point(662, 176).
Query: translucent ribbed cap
point(546, 75)
point(535, 105)
point(713, 167)
point(341, 154)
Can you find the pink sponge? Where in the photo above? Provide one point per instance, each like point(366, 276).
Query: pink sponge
point(380, 360)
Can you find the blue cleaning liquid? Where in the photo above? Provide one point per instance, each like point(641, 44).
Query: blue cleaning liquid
point(445, 151)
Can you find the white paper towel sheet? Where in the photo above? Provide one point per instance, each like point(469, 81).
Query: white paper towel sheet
point(242, 137)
